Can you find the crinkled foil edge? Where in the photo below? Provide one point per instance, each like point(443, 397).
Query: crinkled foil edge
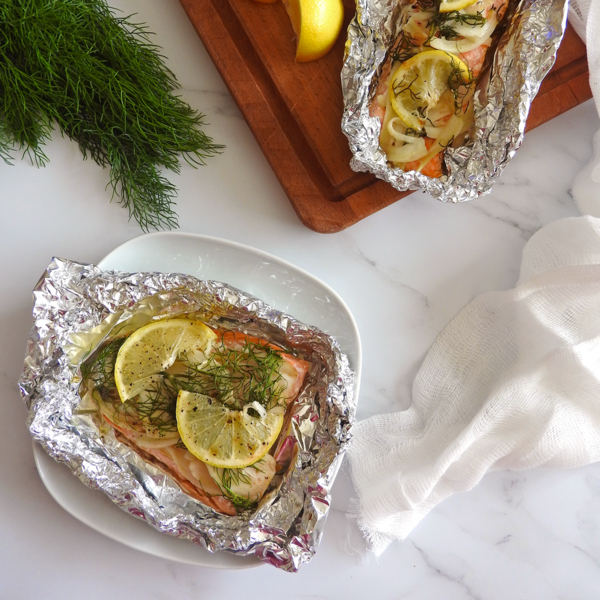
point(526, 52)
point(77, 306)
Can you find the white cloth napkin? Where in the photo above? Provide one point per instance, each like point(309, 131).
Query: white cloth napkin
point(584, 16)
point(513, 382)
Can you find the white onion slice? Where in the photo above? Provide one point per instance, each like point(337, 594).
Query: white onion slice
point(449, 131)
point(438, 115)
point(475, 31)
point(479, 7)
point(433, 132)
point(396, 134)
point(416, 29)
point(257, 407)
point(145, 441)
point(422, 15)
point(468, 43)
point(409, 152)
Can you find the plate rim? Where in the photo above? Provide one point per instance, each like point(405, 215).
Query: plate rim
point(263, 253)
point(40, 454)
point(245, 248)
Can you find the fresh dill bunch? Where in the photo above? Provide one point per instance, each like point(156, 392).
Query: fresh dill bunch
point(101, 80)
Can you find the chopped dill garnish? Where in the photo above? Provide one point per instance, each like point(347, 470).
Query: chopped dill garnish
point(447, 144)
point(459, 87)
point(227, 478)
point(99, 369)
point(444, 24)
point(231, 477)
point(99, 78)
point(232, 377)
point(414, 132)
point(239, 377)
point(241, 503)
point(402, 87)
point(404, 48)
point(154, 407)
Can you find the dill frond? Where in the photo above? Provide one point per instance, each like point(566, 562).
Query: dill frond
point(239, 377)
point(404, 48)
point(444, 23)
point(98, 77)
point(233, 377)
point(99, 369)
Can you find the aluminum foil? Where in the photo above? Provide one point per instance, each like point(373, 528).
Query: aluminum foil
point(525, 53)
point(77, 307)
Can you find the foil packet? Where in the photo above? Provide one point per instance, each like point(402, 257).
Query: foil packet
point(78, 307)
point(526, 51)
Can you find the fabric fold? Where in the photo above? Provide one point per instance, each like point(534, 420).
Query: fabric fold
point(513, 382)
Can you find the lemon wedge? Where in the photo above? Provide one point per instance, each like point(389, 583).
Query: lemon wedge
point(317, 25)
point(421, 82)
point(154, 348)
point(450, 5)
point(223, 437)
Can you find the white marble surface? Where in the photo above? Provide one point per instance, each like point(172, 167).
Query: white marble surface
point(404, 272)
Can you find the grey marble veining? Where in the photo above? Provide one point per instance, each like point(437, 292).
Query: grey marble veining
point(404, 272)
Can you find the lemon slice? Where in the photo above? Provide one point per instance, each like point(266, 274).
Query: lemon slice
point(223, 437)
point(450, 5)
point(154, 348)
point(317, 25)
point(419, 83)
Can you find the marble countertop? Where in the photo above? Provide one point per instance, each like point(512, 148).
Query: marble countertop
point(404, 272)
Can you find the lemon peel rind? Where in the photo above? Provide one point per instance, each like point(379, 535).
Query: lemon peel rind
point(317, 26)
point(452, 5)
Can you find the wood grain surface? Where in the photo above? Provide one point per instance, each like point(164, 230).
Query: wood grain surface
point(294, 109)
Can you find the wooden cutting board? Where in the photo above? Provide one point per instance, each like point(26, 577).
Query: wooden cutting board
point(295, 109)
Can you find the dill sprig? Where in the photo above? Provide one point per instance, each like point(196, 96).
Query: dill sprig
point(460, 87)
point(404, 86)
point(231, 477)
point(227, 478)
point(101, 80)
point(404, 48)
point(241, 503)
point(444, 23)
point(155, 407)
point(99, 369)
point(239, 377)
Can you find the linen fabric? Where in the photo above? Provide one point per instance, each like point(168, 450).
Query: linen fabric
point(513, 382)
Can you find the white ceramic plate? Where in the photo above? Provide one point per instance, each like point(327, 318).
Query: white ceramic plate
point(271, 279)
